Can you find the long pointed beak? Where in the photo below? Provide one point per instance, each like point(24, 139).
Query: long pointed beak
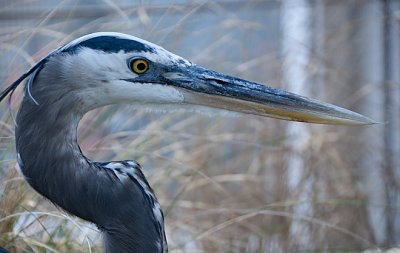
point(209, 88)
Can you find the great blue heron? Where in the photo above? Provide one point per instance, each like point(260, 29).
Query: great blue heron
point(108, 68)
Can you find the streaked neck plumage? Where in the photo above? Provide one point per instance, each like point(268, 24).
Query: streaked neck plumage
point(115, 196)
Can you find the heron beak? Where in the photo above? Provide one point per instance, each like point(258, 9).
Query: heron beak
point(209, 88)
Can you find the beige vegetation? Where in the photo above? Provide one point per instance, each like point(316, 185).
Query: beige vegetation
point(222, 179)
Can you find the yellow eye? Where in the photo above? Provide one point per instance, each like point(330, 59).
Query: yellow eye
point(139, 66)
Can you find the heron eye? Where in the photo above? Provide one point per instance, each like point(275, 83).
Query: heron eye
point(139, 66)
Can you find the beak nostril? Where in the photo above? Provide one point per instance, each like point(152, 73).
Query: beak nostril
point(220, 82)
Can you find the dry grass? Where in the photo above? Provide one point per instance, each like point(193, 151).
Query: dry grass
point(222, 181)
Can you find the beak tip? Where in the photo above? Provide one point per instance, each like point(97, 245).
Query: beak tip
point(369, 121)
point(342, 116)
point(360, 119)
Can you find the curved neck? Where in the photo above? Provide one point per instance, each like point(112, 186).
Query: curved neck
point(53, 164)
point(48, 152)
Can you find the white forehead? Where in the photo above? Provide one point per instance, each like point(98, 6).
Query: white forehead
point(97, 64)
point(164, 57)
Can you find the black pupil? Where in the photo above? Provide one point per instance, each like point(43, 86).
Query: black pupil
point(141, 66)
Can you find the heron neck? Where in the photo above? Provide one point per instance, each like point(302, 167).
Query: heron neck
point(48, 153)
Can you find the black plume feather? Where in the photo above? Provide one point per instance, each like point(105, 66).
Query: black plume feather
point(15, 84)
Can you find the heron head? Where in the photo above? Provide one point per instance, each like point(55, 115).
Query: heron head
point(106, 68)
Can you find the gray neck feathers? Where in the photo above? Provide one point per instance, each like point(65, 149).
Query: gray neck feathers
point(52, 162)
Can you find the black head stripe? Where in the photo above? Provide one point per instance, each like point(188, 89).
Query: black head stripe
point(110, 44)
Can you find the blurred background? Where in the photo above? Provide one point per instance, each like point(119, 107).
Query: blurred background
point(229, 183)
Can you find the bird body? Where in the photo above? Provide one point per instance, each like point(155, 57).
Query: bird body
point(116, 196)
point(110, 68)
point(72, 181)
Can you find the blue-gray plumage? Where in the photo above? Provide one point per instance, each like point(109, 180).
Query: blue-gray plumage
point(3, 250)
point(108, 68)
